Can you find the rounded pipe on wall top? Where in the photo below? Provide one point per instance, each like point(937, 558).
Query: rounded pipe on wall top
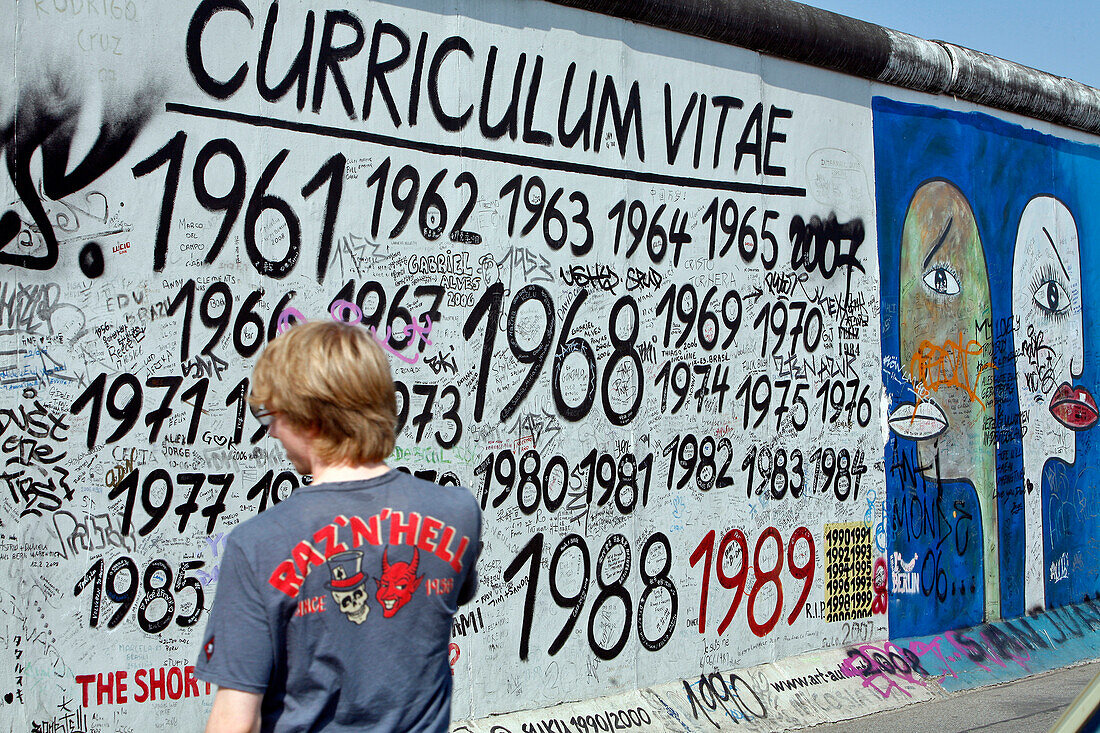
point(808, 35)
point(781, 28)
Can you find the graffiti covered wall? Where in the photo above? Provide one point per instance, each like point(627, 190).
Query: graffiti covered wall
point(985, 333)
point(631, 293)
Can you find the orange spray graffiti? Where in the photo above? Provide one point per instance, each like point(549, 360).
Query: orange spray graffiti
point(934, 366)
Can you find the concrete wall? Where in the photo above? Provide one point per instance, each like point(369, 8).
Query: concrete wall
point(742, 357)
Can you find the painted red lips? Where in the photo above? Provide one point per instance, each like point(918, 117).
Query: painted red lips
point(1074, 407)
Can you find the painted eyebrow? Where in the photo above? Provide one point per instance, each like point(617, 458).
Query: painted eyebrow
point(940, 240)
point(1055, 248)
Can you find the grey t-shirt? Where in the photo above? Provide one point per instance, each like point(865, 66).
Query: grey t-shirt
point(337, 605)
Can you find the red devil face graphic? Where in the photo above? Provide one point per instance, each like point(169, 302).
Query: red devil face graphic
point(397, 583)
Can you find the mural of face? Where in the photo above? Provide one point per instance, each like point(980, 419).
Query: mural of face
point(397, 584)
point(1046, 300)
point(944, 293)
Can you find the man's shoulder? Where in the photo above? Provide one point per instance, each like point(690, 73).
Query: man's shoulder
point(459, 495)
point(299, 513)
point(453, 503)
point(272, 522)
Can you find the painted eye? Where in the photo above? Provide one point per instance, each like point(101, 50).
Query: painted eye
point(1051, 297)
point(942, 281)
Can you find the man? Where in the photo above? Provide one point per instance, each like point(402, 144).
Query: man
point(334, 608)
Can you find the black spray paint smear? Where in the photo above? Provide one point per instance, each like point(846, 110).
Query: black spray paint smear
point(91, 260)
point(47, 119)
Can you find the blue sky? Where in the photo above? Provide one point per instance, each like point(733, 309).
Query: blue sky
point(1058, 36)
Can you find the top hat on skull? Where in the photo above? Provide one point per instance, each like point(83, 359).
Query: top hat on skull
point(346, 569)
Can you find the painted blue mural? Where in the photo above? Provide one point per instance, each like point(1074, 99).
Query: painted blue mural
point(988, 256)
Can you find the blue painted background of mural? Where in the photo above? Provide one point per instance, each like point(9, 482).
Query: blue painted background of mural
point(1077, 173)
point(999, 168)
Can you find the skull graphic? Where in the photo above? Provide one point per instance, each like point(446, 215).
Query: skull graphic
point(397, 584)
point(353, 603)
point(347, 585)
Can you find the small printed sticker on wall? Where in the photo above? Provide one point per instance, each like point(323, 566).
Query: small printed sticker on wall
point(848, 592)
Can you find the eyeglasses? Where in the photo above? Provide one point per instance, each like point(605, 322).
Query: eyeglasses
point(263, 415)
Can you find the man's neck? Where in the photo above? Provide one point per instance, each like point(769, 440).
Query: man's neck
point(333, 474)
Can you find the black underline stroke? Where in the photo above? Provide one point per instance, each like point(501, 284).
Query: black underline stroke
point(487, 155)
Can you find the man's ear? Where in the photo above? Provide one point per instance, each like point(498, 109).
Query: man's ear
point(311, 431)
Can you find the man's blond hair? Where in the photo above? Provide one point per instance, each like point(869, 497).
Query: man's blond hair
point(332, 378)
